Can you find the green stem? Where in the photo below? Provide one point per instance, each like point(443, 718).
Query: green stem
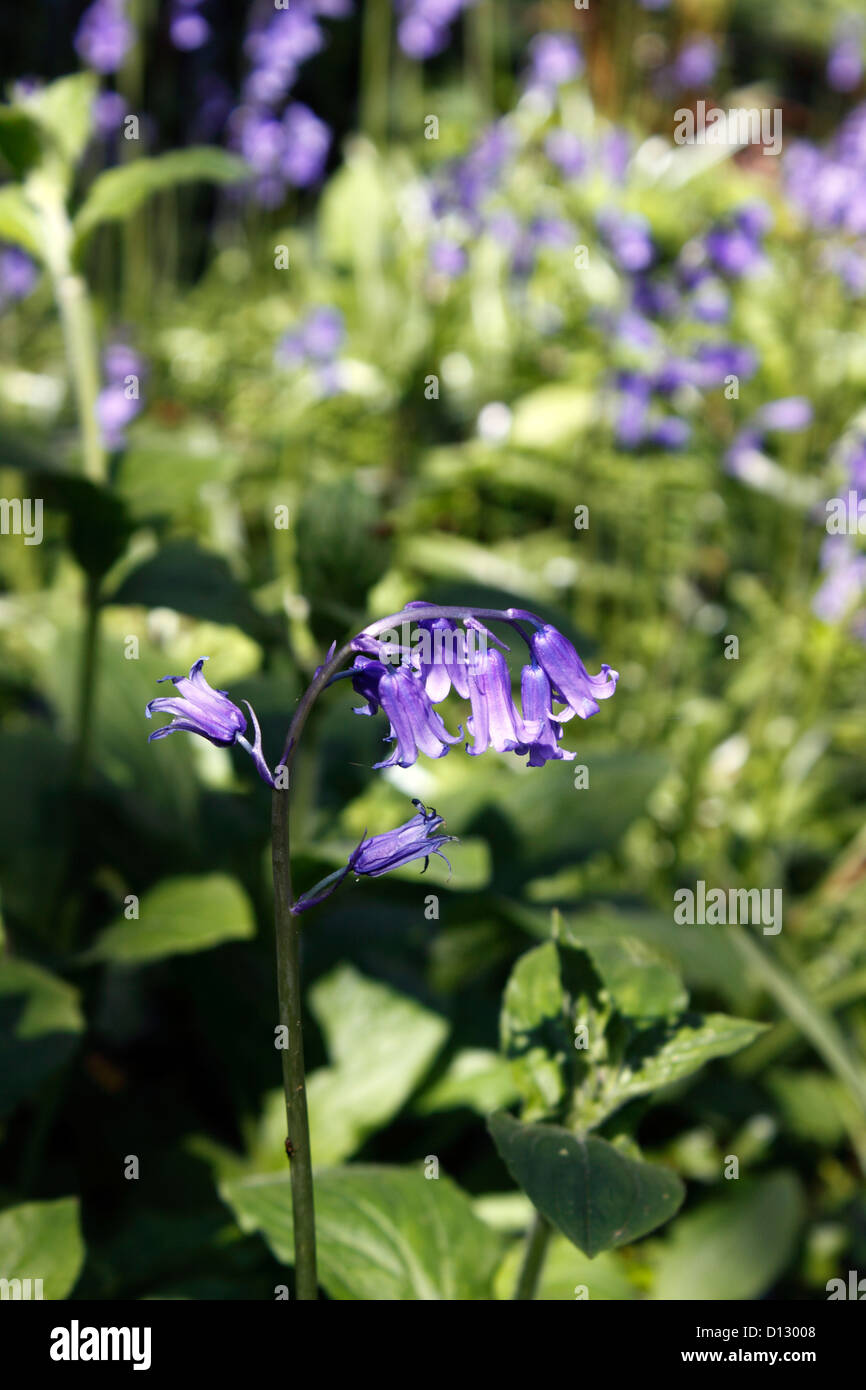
point(87, 681)
point(375, 66)
point(294, 1085)
point(533, 1259)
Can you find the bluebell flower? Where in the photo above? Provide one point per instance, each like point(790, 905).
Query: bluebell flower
point(541, 733)
point(443, 659)
point(628, 236)
point(104, 35)
point(845, 59)
point(401, 694)
point(790, 414)
point(208, 713)
point(554, 60)
point(571, 683)
point(494, 720)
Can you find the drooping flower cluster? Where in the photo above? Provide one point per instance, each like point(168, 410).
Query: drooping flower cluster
point(407, 681)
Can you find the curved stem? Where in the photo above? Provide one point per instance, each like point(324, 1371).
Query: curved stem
point(533, 1258)
point(287, 931)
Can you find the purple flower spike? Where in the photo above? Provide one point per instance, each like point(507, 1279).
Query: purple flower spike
point(209, 713)
point(571, 683)
point(414, 840)
point(494, 719)
point(543, 734)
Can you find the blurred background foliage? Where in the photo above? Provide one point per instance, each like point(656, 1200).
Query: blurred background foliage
point(388, 341)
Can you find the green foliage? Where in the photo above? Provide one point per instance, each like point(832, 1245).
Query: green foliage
point(176, 917)
point(42, 1240)
point(383, 1233)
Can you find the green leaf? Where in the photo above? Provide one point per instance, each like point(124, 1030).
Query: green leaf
point(533, 1030)
point(98, 526)
point(383, 1234)
point(118, 193)
point(42, 1240)
point(18, 221)
point(342, 551)
point(475, 1078)
point(640, 982)
point(20, 139)
point(64, 110)
point(178, 916)
point(382, 1044)
point(734, 1247)
point(667, 1052)
point(587, 1189)
point(40, 1019)
point(193, 581)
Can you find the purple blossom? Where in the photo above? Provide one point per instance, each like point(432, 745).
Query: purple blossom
point(208, 713)
point(494, 720)
point(109, 110)
point(790, 414)
point(188, 29)
point(104, 36)
point(400, 693)
point(448, 258)
point(671, 433)
point(628, 237)
point(18, 275)
point(568, 152)
point(306, 144)
point(424, 29)
point(845, 62)
point(554, 60)
point(541, 733)
point(734, 251)
point(696, 62)
point(571, 684)
point(119, 402)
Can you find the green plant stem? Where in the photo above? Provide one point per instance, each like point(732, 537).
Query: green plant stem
point(87, 682)
point(287, 929)
point(533, 1258)
point(375, 64)
point(287, 932)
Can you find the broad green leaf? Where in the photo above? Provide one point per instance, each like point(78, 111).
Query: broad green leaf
point(20, 139)
point(176, 917)
point(193, 581)
point(382, 1044)
point(18, 221)
point(42, 1240)
point(667, 1052)
point(814, 1105)
point(533, 1030)
point(342, 551)
point(475, 1078)
point(596, 1196)
point(640, 982)
point(383, 1234)
point(40, 1019)
point(734, 1247)
point(64, 110)
point(118, 193)
point(568, 1275)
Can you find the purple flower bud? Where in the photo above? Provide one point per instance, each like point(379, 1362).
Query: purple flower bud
point(696, 62)
point(109, 109)
point(414, 840)
point(845, 63)
point(189, 31)
point(447, 258)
